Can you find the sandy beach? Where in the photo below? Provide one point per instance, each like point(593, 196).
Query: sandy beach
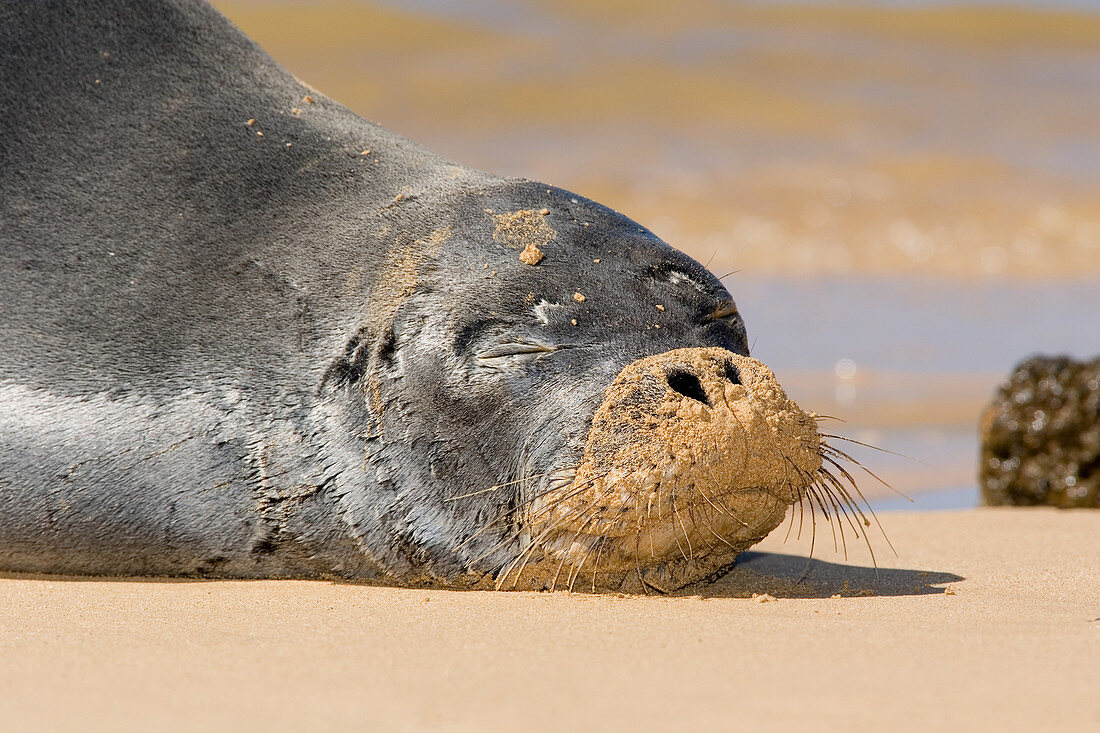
point(904, 202)
point(986, 620)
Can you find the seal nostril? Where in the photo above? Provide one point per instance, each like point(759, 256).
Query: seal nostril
point(732, 374)
point(688, 385)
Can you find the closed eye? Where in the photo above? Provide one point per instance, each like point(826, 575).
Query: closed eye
point(724, 309)
point(514, 349)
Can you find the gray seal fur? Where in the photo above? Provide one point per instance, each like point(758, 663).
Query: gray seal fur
point(234, 344)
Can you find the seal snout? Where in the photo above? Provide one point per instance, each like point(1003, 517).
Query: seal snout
point(688, 385)
point(692, 456)
point(685, 382)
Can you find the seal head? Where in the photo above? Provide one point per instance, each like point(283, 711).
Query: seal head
point(248, 333)
point(591, 414)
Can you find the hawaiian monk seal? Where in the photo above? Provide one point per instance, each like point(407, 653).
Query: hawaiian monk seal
point(247, 333)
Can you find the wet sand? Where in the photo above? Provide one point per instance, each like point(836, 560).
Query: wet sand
point(987, 620)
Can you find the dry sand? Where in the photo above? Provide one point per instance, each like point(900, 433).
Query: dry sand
point(988, 620)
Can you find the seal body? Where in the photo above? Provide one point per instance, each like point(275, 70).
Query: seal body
point(248, 333)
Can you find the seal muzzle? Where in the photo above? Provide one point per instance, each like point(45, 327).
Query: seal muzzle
point(693, 456)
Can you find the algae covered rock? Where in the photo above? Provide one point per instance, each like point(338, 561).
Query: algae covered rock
point(1041, 436)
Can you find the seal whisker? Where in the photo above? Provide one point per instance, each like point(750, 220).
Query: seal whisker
point(641, 580)
point(807, 484)
point(687, 537)
point(872, 447)
point(825, 501)
point(832, 449)
point(534, 518)
point(850, 510)
point(827, 456)
point(496, 487)
point(511, 513)
point(857, 510)
point(638, 564)
point(827, 475)
point(790, 523)
point(801, 514)
point(702, 492)
point(844, 506)
point(710, 527)
point(690, 509)
point(871, 511)
point(565, 555)
point(575, 569)
point(863, 535)
point(525, 553)
point(830, 515)
point(653, 550)
point(830, 483)
point(578, 568)
point(851, 482)
point(529, 550)
point(813, 534)
point(838, 511)
point(596, 565)
point(816, 485)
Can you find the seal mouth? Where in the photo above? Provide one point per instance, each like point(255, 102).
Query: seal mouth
point(700, 528)
point(684, 542)
point(693, 456)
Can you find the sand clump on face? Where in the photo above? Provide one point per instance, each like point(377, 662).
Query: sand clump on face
point(531, 255)
point(693, 456)
point(524, 230)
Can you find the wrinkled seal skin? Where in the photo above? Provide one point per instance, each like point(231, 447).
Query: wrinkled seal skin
point(253, 349)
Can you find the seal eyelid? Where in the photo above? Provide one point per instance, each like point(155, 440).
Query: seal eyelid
point(725, 309)
point(501, 351)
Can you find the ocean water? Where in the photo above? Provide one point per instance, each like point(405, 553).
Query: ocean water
point(906, 192)
point(909, 362)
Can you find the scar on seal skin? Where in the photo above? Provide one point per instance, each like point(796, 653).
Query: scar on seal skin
point(327, 352)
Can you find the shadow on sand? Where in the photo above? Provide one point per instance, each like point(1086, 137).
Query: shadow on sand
point(792, 576)
point(782, 576)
